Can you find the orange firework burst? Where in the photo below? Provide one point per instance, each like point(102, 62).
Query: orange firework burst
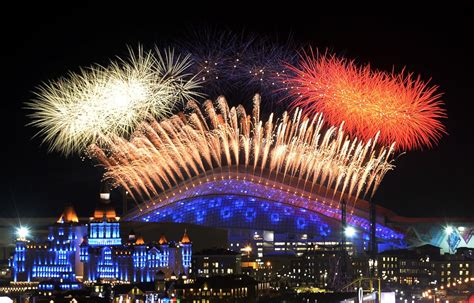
point(403, 108)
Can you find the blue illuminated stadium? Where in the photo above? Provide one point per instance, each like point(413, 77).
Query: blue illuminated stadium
point(239, 211)
point(239, 201)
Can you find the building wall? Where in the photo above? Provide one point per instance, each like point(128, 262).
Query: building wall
point(424, 265)
point(434, 232)
point(66, 255)
point(208, 265)
point(133, 261)
point(55, 258)
point(238, 204)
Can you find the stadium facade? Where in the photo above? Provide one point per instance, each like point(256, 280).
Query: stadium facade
point(269, 215)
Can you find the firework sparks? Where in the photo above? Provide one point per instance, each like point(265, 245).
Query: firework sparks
point(240, 64)
point(89, 106)
point(402, 108)
point(162, 154)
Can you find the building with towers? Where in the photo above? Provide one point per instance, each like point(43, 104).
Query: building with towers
point(106, 258)
point(95, 251)
point(56, 258)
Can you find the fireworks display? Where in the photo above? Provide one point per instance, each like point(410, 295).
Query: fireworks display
point(122, 115)
point(162, 154)
point(87, 107)
point(402, 108)
point(240, 65)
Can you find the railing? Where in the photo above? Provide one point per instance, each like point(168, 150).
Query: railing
point(366, 285)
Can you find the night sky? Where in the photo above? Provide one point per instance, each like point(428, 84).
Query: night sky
point(42, 43)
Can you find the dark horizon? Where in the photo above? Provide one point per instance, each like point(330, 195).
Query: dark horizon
point(46, 43)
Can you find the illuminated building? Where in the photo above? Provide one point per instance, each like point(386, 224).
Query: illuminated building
point(424, 265)
point(104, 227)
point(57, 258)
point(155, 292)
point(454, 267)
point(408, 266)
point(215, 262)
point(449, 234)
point(315, 268)
point(106, 258)
point(93, 252)
point(229, 288)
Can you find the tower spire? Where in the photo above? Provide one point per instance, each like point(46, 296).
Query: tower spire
point(185, 239)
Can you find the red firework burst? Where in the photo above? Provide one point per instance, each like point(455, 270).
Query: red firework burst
point(403, 108)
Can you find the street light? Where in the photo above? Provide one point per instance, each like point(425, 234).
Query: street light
point(247, 249)
point(449, 230)
point(22, 232)
point(349, 231)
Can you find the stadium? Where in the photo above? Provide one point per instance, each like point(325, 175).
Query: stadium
point(274, 216)
point(267, 209)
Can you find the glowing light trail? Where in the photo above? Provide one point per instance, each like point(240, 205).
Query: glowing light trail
point(163, 154)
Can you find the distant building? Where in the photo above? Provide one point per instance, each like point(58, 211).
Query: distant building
point(215, 262)
point(458, 266)
point(143, 292)
point(229, 288)
point(425, 265)
point(359, 266)
point(318, 267)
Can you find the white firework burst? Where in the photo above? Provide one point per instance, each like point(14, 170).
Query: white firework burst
point(87, 107)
